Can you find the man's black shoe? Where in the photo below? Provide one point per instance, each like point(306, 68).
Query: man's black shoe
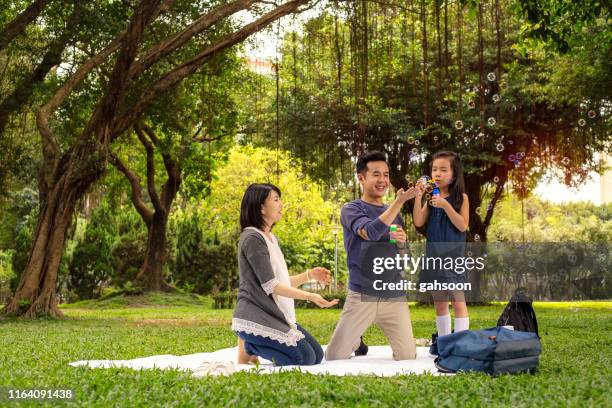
point(362, 350)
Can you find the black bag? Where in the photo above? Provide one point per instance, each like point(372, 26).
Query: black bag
point(519, 313)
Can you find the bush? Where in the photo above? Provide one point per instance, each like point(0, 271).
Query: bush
point(203, 265)
point(109, 250)
point(6, 274)
point(225, 300)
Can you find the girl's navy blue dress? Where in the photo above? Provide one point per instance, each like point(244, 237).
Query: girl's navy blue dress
point(444, 240)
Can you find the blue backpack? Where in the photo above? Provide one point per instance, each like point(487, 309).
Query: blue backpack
point(493, 351)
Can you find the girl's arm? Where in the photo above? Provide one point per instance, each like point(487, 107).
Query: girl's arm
point(419, 213)
point(461, 219)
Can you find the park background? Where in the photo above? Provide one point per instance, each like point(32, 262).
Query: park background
point(125, 156)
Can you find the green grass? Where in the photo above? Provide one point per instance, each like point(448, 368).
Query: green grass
point(575, 364)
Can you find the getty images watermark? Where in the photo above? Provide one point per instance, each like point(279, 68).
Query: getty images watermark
point(406, 264)
point(551, 271)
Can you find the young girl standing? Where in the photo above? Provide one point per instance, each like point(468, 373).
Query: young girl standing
point(447, 218)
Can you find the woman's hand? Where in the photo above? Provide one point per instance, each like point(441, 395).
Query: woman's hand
point(320, 274)
point(320, 301)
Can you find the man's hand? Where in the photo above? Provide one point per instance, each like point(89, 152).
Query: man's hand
point(399, 235)
point(405, 195)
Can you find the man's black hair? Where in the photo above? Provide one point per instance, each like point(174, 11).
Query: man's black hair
point(362, 162)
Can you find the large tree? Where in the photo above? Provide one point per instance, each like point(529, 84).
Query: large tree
point(68, 170)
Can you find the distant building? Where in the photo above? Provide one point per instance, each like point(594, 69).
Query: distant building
point(259, 66)
point(605, 182)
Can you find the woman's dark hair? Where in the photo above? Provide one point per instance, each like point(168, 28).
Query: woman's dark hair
point(250, 209)
point(457, 187)
point(362, 162)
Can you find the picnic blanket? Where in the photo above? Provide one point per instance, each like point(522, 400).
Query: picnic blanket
point(378, 362)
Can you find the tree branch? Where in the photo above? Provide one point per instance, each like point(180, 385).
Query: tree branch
point(176, 75)
point(203, 139)
point(52, 57)
point(499, 189)
point(169, 162)
point(150, 168)
point(158, 51)
point(19, 24)
point(143, 210)
point(115, 91)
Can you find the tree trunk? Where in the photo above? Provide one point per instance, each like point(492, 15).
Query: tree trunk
point(425, 67)
point(151, 274)
point(35, 294)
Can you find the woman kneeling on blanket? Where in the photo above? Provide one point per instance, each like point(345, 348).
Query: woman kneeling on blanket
point(264, 318)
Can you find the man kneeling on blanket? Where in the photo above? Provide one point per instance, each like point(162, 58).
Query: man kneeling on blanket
point(368, 219)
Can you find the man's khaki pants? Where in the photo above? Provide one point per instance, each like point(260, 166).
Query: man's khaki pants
point(393, 317)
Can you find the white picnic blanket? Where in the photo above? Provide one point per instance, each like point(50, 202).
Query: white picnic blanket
point(378, 362)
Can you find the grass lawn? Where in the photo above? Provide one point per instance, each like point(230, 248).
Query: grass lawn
point(575, 367)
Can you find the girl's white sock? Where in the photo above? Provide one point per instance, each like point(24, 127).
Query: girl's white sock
point(443, 324)
point(462, 323)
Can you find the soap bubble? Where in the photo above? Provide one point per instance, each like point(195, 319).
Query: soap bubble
point(477, 238)
point(430, 202)
point(521, 155)
point(491, 76)
point(503, 85)
point(410, 140)
point(478, 210)
point(417, 142)
point(471, 104)
point(458, 125)
point(491, 121)
point(496, 179)
point(592, 114)
point(428, 197)
point(414, 150)
point(582, 122)
point(512, 157)
point(565, 160)
point(510, 142)
point(514, 108)
point(486, 91)
point(435, 138)
point(481, 135)
point(499, 147)
point(496, 98)
point(469, 254)
point(429, 188)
